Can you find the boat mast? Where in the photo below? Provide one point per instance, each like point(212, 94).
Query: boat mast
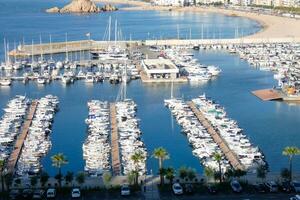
point(41, 47)
point(109, 28)
point(15, 53)
point(172, 87)
point(67, 56)
point(32, 58)
point(50, 38)
point(177, 31)
point(202, 31)
point(5, 53)
point(116, 31)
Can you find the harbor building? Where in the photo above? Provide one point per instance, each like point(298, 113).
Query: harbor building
point(160, 69)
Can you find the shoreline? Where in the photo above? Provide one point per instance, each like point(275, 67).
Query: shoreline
point(271, 26)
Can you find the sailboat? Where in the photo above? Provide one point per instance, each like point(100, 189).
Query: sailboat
point(113, 52)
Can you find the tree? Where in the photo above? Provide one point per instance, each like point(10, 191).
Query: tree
point(209, 172)
point(291, 152)
point(131, 177)
point(170, 174)
point(285, 173)
point(69, 177)
point(183, 172)
point(218, 159)
point(44, 178)
point(1, 174)
point(191, 174)
point(33, 181)
point(162, 172)
point(8, 178)
point(137, 158)
point(80, 178)
point(261, 172)
point(161, 154)
point(106, 178)
point(58, 160)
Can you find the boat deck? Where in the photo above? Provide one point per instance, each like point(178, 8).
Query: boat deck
point(115, 151)
point(267, 94)
point(229, 154)
point(15, 155)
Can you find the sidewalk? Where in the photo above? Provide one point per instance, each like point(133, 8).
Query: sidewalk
point(151, 188)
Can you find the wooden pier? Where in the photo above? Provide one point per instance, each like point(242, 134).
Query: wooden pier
point(15, 155)
point(115, 151)
point(229, 154)
point(267, 94)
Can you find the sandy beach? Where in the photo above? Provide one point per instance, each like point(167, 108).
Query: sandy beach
point(273, 26)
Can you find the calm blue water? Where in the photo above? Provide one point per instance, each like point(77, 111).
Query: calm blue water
point(270, 125)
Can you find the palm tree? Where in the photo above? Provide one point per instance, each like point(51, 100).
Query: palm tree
point(261, 172)
point(58, 160)
point(291, 152)
point(170, 171)
point(218, 159)
point(137, 157)
point(1, 174)
point(208, 173)
point(161, 154)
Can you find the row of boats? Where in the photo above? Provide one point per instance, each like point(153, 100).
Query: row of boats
point(37, 142)
point(96, 148)
point(204, 146)
point(281, 58)
point(191, 67)
point(201, 141)
point(93, 74)
point(130, 137)
point(11, 123)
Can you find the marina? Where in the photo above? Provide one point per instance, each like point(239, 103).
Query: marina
point(230, 88)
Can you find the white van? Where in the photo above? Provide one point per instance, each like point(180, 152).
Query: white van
point(51, 193)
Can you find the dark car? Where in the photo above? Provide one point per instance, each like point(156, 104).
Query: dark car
point(261, 188)
point(212, 189)
point(27, 193)
point(286, 186)
point(189, 189)
point(14, 194)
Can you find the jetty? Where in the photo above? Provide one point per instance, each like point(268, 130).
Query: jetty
point(229, 154)
point(267, 94)
point(15, 155)
point(115, 151)
point(89, 45)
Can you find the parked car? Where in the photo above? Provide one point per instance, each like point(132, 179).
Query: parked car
point(297, 197)
point(27, 193)
point(272, 186)
point(236, 186)
point(125, 190)
point(14, 194)
point(75, 193)
point(38, 194)
point(51, 193)
point(212, 189)
point(189, 189)
point(286, 186)
point(177, 189)
point(296, 186)
point(261, 188)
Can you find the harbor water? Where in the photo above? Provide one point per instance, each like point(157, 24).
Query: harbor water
point(270, 125)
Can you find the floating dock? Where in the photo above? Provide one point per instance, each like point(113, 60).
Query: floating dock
point(229, 154)
point(268, 94)
point(15, 155)
point(115, 151)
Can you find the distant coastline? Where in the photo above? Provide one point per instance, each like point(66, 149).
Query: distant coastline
point(272, 26)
